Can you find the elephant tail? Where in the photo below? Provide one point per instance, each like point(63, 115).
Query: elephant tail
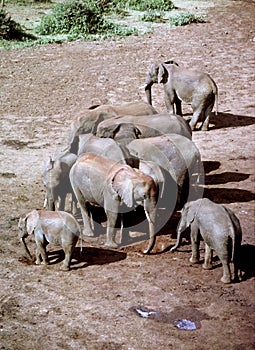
point(216, 102)
point(216, 94)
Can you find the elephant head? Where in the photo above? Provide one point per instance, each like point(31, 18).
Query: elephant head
point(55, 178)
point(157, 74)
point(136, 188)
point(188, 215)
point(26, 226)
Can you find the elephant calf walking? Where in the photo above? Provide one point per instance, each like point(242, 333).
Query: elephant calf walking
point(221, 231)
point(58, 228)
point(193, 87)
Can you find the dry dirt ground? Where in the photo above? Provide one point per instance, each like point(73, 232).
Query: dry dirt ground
point(92, 306)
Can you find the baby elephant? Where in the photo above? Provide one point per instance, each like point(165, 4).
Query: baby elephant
point(58, 228)
point(220, 230)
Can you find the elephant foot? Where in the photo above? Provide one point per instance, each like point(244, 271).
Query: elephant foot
point(207, 266)
point(225, 279)
point(111, 244)
point(194, 260)
point(88, 233)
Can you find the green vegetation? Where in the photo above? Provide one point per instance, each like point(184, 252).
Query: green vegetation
point(184, 18)
point(153, 16)
point(145, 5)
point(80, 19)
point(84, 19)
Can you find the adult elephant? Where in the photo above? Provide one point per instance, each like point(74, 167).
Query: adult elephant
point(89, 143)
point(124, 129)
point(88, 119)
point(100, 181)
point(193, 87)
point(174, 162)
point(55, 178)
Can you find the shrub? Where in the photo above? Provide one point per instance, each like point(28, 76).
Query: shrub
point(146, 5)
point(184, 18)
point(73, 17)
point(152, 16)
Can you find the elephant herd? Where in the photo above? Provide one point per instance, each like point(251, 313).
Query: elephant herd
point(125, 156)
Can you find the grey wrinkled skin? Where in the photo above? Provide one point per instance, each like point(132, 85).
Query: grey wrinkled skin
point(220, 230)
point(193, 87)
point(55, 178)
point(175, 154)
point(100, 181)
point(88, 119)
point(89, 143)
point(58, 228)
point(124, 129)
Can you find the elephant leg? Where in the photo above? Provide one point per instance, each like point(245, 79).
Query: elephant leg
point(68, 250)
point(205, 124)
point(61, 203)
point(198, 114)
point(169, 101)
point(236, 262)
point(208, 258)
point(41, 252)
point(86, 217)
point(195, 241)
point(111, 222)
point(226, 278)
point(178, 105)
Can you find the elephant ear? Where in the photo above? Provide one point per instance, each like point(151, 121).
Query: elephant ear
point(190, 212)
point(31, 220)
point(162, 74)
point(123, 186)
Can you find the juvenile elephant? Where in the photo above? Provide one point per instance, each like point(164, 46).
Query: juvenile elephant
point(193, 87)
point(220, 230)
point(100, 181)
point(58, 228)
point(87, 120)
point(55, 178)
point(126, 128)
point(89, 143)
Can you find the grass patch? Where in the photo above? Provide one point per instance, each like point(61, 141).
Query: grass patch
point(185, 18)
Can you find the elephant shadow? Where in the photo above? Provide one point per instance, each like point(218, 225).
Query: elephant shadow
point(226, 177)
point(229, 120)
point(228, 195)
point(89, 256)
point(247, 261)
point(210, 165)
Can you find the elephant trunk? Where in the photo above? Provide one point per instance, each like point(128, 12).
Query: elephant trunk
point(151, 216)
point(22, 239)
point(148, 92)
point(181, 227)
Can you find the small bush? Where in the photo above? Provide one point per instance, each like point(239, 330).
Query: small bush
point(185, 18)
point(152, 16)
point(146, 5)
point(73, 17)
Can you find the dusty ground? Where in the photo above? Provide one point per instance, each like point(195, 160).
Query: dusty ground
point(91, 307)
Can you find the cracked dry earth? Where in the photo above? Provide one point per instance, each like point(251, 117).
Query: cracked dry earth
point(93, 305)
